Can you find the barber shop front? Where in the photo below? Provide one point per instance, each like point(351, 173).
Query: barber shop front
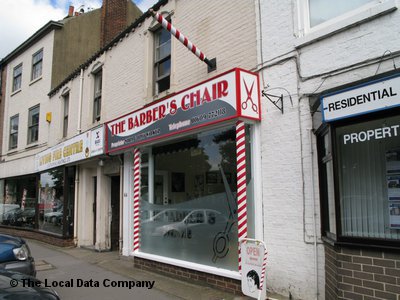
point(359, 163)
point(189, 176)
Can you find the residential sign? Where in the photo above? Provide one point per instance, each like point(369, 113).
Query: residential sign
point(373, 96)
point(233, 94)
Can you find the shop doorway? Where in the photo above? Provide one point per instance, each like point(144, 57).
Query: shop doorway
point(115, 199)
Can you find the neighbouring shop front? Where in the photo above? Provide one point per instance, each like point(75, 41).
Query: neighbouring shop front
point(44, 202)
point(359, 166)
point(188, 163)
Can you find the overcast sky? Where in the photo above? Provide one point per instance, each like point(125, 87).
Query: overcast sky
point(19, 19)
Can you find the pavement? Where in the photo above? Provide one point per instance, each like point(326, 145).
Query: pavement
point(85, 269)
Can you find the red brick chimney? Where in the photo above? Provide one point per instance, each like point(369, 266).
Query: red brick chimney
point(113, 19)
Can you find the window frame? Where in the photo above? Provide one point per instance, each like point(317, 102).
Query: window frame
point(31, 126)
point(37, 63)
point(339, 238)
point(65, 114)
point(97, 94)
point(157, 62)
point(307, 34)
point(12, 147)
point(17, 78)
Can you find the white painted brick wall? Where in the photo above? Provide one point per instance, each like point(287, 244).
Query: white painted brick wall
point(286, 151)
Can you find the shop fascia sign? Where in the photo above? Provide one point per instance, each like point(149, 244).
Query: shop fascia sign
point(80, 147)
point(372, 96)
point(234, 94)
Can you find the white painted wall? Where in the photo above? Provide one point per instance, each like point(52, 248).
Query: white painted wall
point(301, 65)
point(19, 161)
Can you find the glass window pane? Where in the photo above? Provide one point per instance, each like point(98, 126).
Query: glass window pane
point(369, 178)
point(163, 36)
point(51, 201)
point(164, 68)
point(20, 202)
point(163, 51)
point(324, 10)
point(193, 215)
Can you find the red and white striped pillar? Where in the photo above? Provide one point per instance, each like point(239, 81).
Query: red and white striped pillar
point(264, 267)
point(176, 33)
point(136, 202)
point(241, 183)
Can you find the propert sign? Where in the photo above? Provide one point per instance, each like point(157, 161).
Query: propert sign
point(373, 96)
point(227, 96)
point(74, 149)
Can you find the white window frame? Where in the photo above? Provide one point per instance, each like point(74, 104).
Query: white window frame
point(97, 95)
point(31, 125)
point(15, 77)
point(37, 63)
point(159, 61)
point(307, 34)
point(65, 121)
point(13, 147)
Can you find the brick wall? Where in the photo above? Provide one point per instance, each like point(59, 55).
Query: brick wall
point(353, 273)
point(113, 19)
point(43, 237)
point(219, 282)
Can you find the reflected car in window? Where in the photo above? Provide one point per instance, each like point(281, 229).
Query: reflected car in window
point(185, 224)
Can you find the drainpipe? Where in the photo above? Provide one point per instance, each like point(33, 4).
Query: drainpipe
point(121, 203)
point(310, 132)
point(76, 206)
point(80, 102)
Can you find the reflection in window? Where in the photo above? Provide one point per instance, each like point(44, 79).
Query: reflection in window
point(324, 10)
point(193, 214)
point(51, 201)
point(19, 207)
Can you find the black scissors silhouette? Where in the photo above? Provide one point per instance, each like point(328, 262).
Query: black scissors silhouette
point(249, 98)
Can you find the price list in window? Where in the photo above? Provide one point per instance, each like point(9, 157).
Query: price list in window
point(393, 186)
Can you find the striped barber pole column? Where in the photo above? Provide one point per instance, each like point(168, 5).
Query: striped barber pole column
point(241, 183)
point(177, 34)
point(264, 267)
point(136, 195)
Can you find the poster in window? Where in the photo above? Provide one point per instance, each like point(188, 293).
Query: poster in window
point(393, 187)
point(177, 182)
point(393, 161)
point(394, 214)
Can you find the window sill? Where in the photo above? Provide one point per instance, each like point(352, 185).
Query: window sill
point(15, 92)
point(32, 145)
point(162, 95)
point(35, 80)
point(12, 151)
point(332, 27)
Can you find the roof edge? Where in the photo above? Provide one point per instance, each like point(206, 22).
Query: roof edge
point(33, 38)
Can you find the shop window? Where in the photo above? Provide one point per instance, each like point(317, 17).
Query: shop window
point(33, 124)
point(37, 62)
point(56, 201)
point(369, 178)
point(188, 201)
point(321, 11)
point(162, 60)
point(19, 206)
point(13, 142)
point(367, 185)
point(17, 78)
